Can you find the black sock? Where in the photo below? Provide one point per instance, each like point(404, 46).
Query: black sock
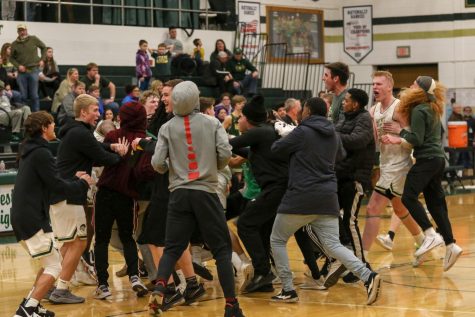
point(391, 235)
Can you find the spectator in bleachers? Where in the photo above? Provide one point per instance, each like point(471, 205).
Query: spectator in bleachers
point(162, 58)
point(219, 46)
point(279, 111)
point(11, 70)
point(66, 110)
point(243, 83)
point(142, 65)
point(220, 113)
point(225, 102)
point(49, 75)
point(13, 95)
point(293, 108)
point(96, 93)
point(8, 10)
point(174, 45)
point(230, 124)
point(156, 86)
point(24, 56)
point(224, 79)
point(72, 76)
point(11, 115)
point(133, 94)
point(93, 77)
point(198, 52)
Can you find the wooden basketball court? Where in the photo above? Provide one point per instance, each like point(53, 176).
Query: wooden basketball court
point(407, 291)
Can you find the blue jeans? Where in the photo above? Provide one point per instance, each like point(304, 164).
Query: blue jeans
point(248, 85)
point(143, 85)
point(28, 84)
point(326, 229)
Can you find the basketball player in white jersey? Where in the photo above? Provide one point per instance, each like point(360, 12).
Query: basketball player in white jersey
point(395, 162)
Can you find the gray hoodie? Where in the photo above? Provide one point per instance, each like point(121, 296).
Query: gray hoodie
point(192, 146)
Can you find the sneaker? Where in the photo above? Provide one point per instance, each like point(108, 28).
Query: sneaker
point(24, 311)
point(385, 241)
point(193, 293)
point(202, 271)
point(122, 272)
point(83, 277)
point(48, 294)
point(418, 260)
point(162, 300)
point(373, 287)
point(102, 292)
point(429, 243)
point(268, 288)
point(326, 267)
point(40, 310)
point(336, 269)
point(233, 310)
point(142, 269)
point(452, 253)
point(258, 281)
point(247, 273)
point(311, 283)
point(350, 278)
point(64, 296)
point(138, 286)
point(286, 297)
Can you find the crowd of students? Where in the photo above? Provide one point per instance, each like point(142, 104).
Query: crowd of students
point(176, 168)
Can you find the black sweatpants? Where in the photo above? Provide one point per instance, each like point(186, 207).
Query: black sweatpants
point(426, 176)
point(113, 206)
point(187, 209)
point(255, 226)
point(350, 194)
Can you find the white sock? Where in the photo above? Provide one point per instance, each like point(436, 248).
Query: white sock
point(62, 284)
point(31, 302)
point(419, 238)
point(430, 232)
point(236, 260)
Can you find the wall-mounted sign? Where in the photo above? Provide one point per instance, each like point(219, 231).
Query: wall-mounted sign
point(249, 16)
point(6, 192)
point(358, 31)
point(403, 51)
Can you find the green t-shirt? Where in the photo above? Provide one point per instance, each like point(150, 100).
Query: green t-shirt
point(251, 190)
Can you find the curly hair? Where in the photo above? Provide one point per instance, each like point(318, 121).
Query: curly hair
point(412, 97)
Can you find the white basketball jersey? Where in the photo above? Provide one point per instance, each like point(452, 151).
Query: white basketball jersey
point(393, 157)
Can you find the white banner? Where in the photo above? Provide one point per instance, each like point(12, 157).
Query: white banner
point(249, 17)
point(6, 192)
point(358, 31)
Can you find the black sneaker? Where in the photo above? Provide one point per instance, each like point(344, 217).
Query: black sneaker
point(259, 281)
point(162, 300)
point(286, 297)
point(269, 288)
point(233, 310)
point(326, 267)
point(42, 311)
point(336, 269)
point(39, 311)
point(373, 287)
point(350, 278)
point(202, 271)
point(192, 294)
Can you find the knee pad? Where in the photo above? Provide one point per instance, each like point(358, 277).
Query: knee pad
point(52, 264)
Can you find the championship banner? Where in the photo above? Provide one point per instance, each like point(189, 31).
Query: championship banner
point(358, 31)
point(249, 17)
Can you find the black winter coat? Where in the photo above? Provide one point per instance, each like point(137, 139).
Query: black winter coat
point(356, 133)
point(312, 148)
point(36, 180)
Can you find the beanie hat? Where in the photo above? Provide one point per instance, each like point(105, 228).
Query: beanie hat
point(427, 84)
point(317, 106)
point(133, 117)
point(255, 111)
point(185, 98)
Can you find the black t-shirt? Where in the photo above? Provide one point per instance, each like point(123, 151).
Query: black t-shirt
point(103, 82)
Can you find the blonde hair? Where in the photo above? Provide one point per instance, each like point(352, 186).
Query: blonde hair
point(155, 84)
point(412, 97)
point(70, 73)
point(386, 74)
point(147, 94)
point(238, 99)
point(82, 102)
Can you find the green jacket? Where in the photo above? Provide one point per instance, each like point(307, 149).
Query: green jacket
point(238, 68)
point(25, 52)
point(426, 133)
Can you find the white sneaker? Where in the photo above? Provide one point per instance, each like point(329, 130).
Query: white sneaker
point(311, 283)
point(81, 277)
point(102, 292)
point(385, 241)
point(418, 260)
point(247, 273)
point(452, 253)
point(429, 243)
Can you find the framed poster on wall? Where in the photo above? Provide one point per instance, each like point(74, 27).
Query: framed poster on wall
point(300, 29)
